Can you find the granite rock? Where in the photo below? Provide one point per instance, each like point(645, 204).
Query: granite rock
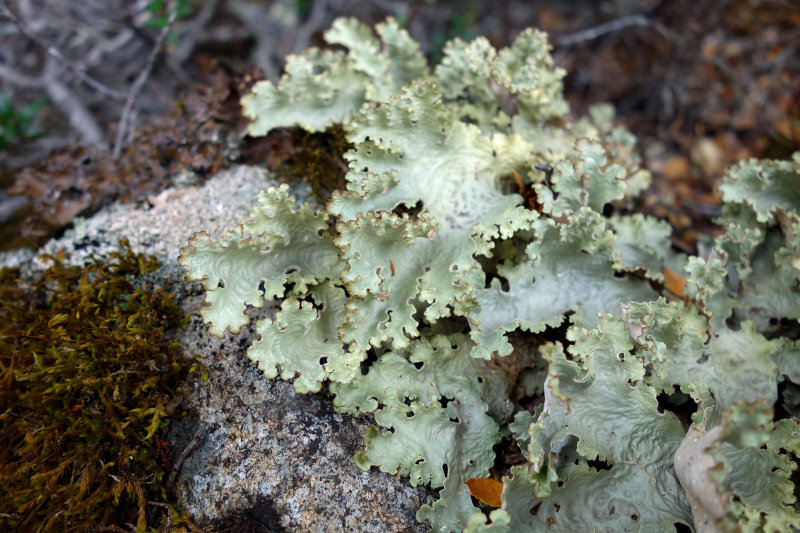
point(279, 459)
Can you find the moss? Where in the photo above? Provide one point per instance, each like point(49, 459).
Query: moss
point(87, 374)
point(317, 158)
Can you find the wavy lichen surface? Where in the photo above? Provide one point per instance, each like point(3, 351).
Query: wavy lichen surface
point(476, 206)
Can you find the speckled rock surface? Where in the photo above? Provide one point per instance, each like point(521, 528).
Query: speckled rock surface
point(164, 224)
point(282, 461)
point(289, 452)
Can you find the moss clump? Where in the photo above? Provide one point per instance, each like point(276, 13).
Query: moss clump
point(317, 158)
point(86, 377)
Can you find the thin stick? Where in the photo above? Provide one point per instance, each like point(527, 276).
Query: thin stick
point(593, 33)
point(192, 445)
point(56, 54)
point(138, 84)
point(315, 20)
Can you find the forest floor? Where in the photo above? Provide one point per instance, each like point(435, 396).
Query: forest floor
point(106, 100)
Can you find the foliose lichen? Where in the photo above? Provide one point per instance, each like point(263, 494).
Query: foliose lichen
point(475, 205)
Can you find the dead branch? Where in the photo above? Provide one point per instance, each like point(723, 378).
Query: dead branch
point(595, 32)
point(138, 85)
point(56, 54)
point(194, 31)
point(18, 78)
point(80, 118)
point(315, 19)
point(264, 31)
point(198, 436)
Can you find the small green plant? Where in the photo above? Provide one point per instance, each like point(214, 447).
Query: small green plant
point(16, 125)
point(476, 212)
point(161, 11)
point(86, 380)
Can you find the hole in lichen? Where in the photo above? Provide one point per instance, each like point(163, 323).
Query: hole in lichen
point(316, 158)
point(504, 285)
point(367, 363)
point(411, 210)
point(598, 464)
point(678, 403)
point(445, 469)
point(221, 284)
point(418, 365)
point(535, 508)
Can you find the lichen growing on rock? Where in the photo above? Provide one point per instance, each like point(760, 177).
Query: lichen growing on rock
point(403, 292)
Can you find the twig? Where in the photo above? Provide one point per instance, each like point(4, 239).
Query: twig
point(56, 54)
point(95, 56)
point(265, 31)
point(315, 19)
point(192, 32)
point(138, 84)
point(80, 118)
point(593, 33)
point(192, 445)
point(18, 78)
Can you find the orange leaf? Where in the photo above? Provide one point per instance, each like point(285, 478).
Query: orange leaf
point(674, 282)
point(486, 490)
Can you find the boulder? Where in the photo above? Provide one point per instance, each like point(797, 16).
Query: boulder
point(258, 453)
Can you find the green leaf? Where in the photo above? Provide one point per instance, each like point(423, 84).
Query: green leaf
point(643, 243)
point(767, 187)
point(432, 368)
point(592, 183)
point(431, 444)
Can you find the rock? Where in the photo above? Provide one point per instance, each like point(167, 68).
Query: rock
point(264, 443)
point(266, 456)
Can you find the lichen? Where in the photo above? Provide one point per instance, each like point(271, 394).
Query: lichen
point(474, 208)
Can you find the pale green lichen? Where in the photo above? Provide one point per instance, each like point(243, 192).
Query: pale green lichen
point(401, 294)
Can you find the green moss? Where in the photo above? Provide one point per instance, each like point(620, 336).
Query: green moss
point(86, 377)
point(317, 158)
